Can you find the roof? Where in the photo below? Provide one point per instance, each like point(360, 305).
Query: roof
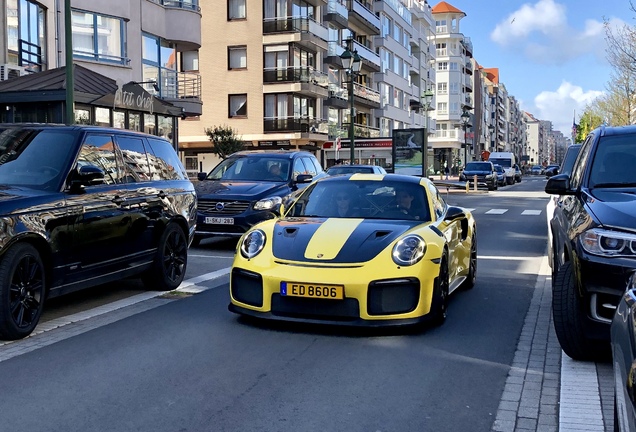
point(492, 74)
point(443, 7)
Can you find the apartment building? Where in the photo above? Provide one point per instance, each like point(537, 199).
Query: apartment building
point(453, 140)
point(135, 67)
point(534, 139)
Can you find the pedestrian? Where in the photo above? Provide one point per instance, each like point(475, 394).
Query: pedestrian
point(446, 171)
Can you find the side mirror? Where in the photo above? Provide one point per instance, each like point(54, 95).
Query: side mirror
point(559, 185)
point(202, 176)
point(304, 178)
point(453, 213)
point(87, 175)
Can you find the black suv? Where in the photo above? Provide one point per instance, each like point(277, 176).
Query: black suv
point(81, 206)
point(593, 239)
point(248, 187)
point(485, 172)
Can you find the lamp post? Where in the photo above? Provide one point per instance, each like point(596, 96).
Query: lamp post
point(427, 99)
point(351, 62)
point(465, 119)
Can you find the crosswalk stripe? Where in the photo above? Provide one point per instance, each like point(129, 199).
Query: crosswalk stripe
point(531, 212)
point(496, 211)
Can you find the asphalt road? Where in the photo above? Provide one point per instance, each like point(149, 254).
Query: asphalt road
point(184, 363)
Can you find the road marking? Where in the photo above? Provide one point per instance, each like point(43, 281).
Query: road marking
point(531, 212)
point(187, 286)
point(496, 211)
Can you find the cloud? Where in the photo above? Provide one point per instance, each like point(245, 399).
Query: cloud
point(541, 32)
point(559, 106)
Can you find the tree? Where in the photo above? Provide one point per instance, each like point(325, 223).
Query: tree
point(225, 140)
point(590, 120)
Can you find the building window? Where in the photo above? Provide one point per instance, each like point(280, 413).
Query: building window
point(385, 22)
point(98, 37)
point(26, 34)
point(237, 57)
point(236, 10)
point(237, 105)
point(442, 108)
point(442, 66)
point(159, 66)
point(442, 88)
point(102, 116)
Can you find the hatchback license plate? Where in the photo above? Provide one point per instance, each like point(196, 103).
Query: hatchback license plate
point(219, 220)
point(308, 290)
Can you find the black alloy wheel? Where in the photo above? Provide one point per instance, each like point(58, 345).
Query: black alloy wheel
point(170, 262)
point(22, 291)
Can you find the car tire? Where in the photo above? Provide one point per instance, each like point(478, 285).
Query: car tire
point(21, 306)
point(171, 259)
point(569, 318)
point(439, 306)
point(472, 267)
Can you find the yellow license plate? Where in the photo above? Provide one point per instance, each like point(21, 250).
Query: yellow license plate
point(310, 290)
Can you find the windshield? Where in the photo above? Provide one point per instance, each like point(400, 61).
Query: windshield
point(33, 158)
point(363, 199)
point(251, 169)
point(614, 162)
point(478, 166)
point(506, 163)
point(499, 168)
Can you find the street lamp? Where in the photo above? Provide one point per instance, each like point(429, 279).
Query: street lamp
point(427, 99)
point(351, 62)
point(465, 123)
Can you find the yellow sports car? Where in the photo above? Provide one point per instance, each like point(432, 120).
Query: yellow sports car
point(360, 249)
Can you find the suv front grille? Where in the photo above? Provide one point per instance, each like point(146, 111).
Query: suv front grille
point(222, 207)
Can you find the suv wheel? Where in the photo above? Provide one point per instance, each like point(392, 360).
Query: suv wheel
point(22, 291)
point(170, 263)
point(569, 318)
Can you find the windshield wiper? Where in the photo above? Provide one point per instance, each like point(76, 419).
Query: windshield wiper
point(614, 185)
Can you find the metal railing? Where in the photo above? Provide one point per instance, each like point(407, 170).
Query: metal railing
point(181, 4)
point(362, 131)
point(292, 124)
point(366, 53)
point(366, 93)
point(176, 85)
point(335, 6)
point(303, 74)
point(295, 24)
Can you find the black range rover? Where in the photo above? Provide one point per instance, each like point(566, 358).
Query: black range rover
point(81, 206)
point(594, 239)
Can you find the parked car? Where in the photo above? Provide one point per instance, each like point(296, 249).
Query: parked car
point(593, 235)
point(485, 172)
point(536, 170)
point(517, 173)
point(82, 206)
point(566, 168)
point(399, 253)
point(350, 169)
point(248, 187)
point(623, 340)
point(501, 175)
point(550, 170)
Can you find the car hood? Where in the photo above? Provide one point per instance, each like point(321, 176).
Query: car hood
point(17, 200)
point(334, 240)
point(240, 190)
point(614, 207)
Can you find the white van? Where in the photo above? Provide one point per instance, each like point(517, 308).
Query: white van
point(507, 161)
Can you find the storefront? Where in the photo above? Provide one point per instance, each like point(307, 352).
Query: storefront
point(367, 151)
point(41, 98)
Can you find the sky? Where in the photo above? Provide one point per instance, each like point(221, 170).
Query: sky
point(551, 54)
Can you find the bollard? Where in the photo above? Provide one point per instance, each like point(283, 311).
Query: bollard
point(467, 184)
point(475, 184)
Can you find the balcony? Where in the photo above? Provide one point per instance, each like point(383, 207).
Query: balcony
point(469, 68)
point(369, 58)
point(361, 15)
point(309, 81)
point(414, 69)
point(312, 34)
point(181, 4)
point(361, 131)
point(182, 89)
point(366, 96)
point(334, 51)
point(337, 13)
point(157, 17)
point(338, 97)
point(293, 124)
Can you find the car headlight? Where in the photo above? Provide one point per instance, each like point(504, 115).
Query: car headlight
point(253, 243)
point(599, 241)
point(268, 203)
point(409, 250)
point(489, 176)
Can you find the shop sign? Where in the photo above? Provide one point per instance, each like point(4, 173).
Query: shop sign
point(135, 98)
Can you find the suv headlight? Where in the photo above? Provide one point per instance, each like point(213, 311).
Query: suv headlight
point(603, 242)
point(253, 243)
point(409, 250)
point(268, 203)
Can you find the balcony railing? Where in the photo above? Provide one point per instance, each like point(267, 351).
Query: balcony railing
point(181, 4)
point(335, 6)
point(364, 8)
point(362, 131)
point(296, 74)
point(401, 10)
point(366, 53)
point(335, 91)
point(335, 49)
point(366, 93)
point(295, 24)
point(292, 124)
point(177, 85)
